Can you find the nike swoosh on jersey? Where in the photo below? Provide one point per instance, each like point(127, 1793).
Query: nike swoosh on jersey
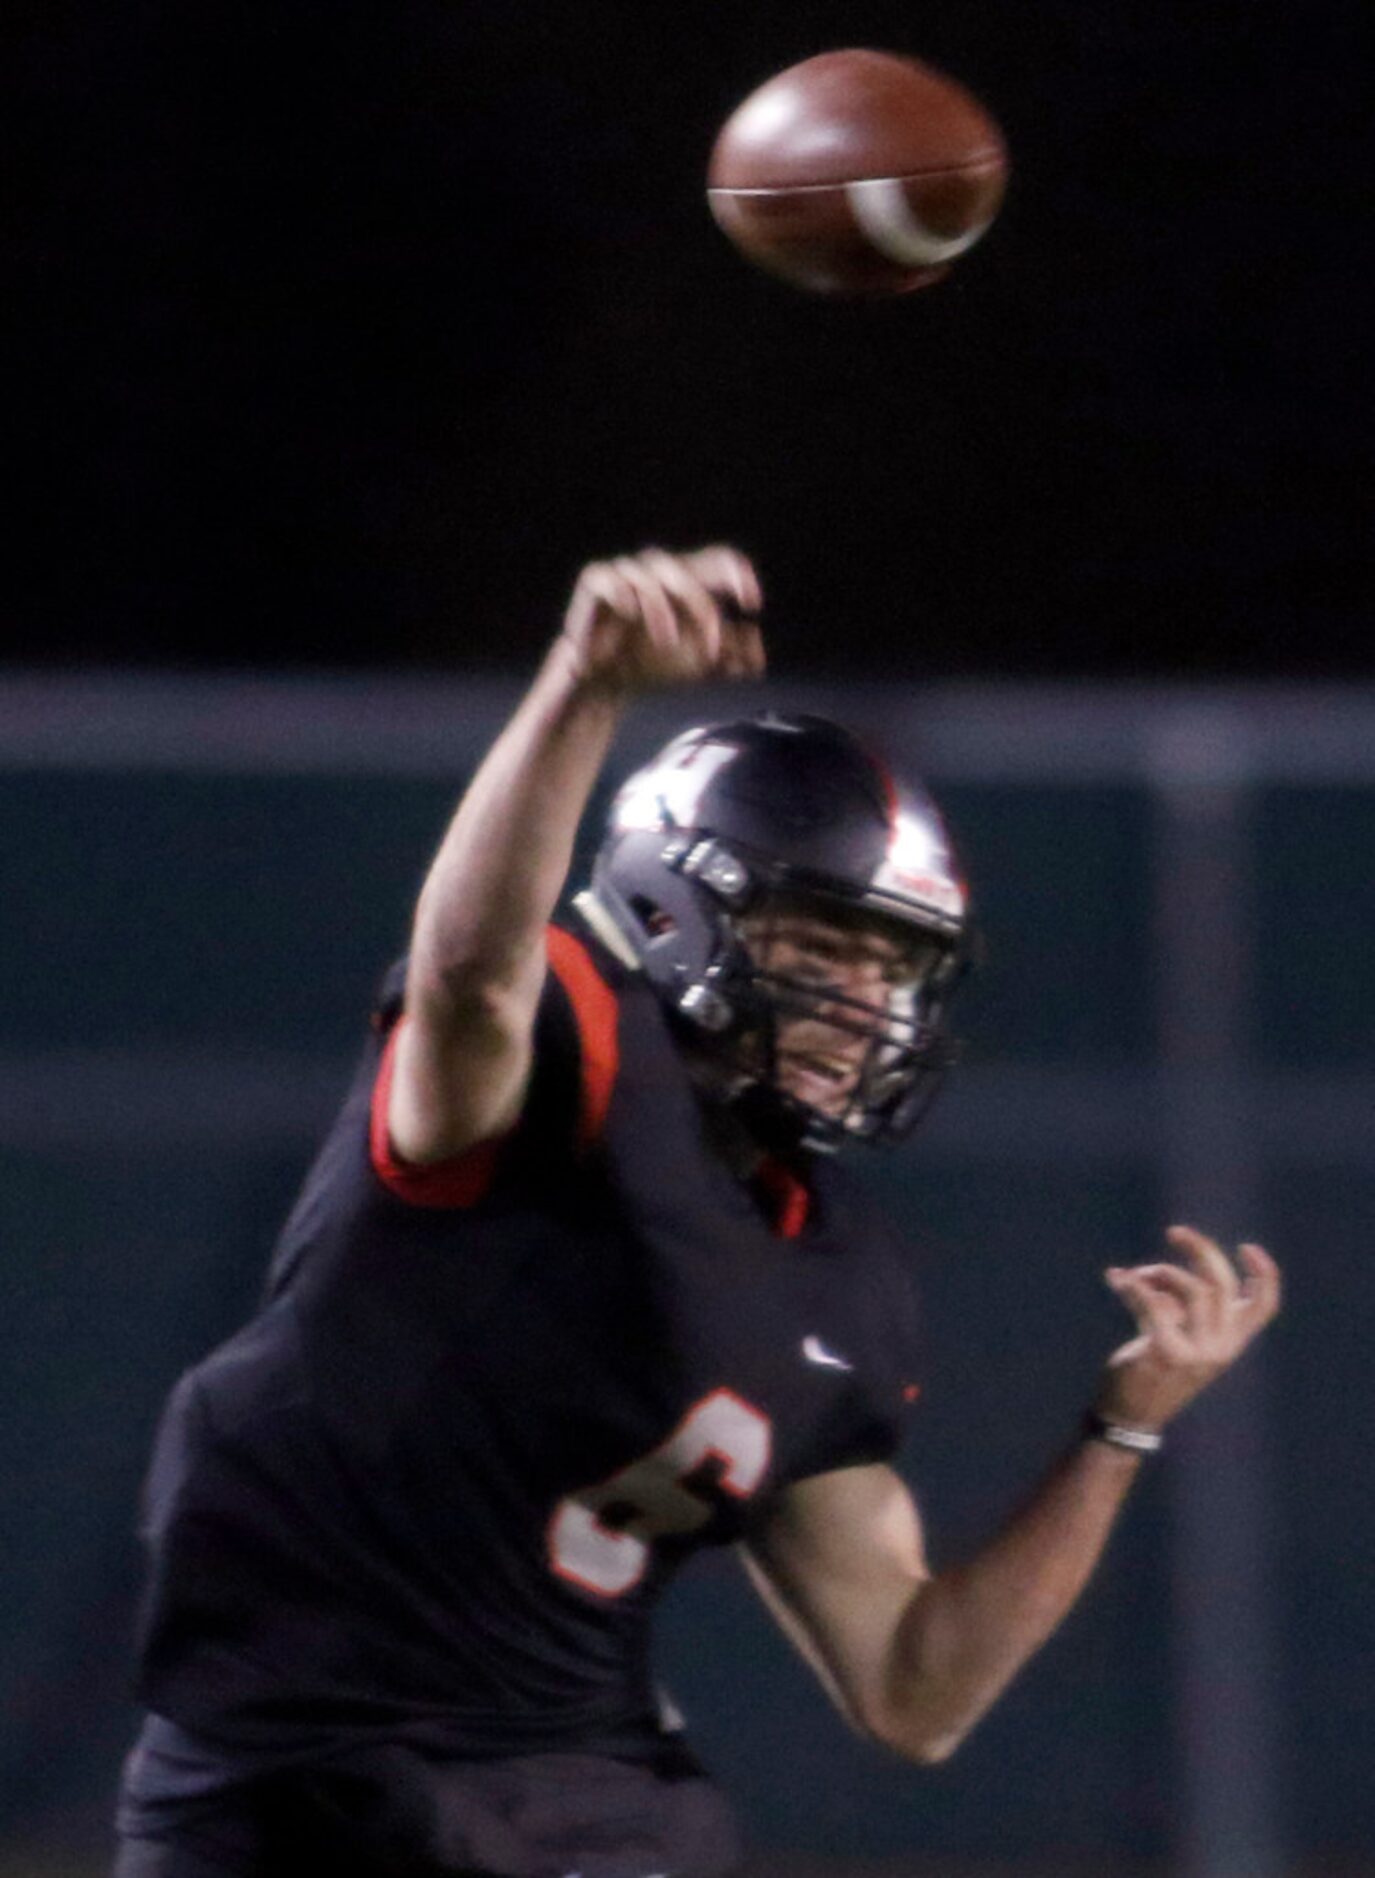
point(815, 1351)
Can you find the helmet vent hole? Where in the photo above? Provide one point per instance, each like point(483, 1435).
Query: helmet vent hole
point(652, 917)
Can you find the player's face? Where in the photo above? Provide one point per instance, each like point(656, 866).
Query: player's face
point(819, 1057)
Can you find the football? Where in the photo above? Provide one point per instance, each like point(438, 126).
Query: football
point(857, 173)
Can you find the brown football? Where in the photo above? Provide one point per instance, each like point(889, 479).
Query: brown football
point(857, 172)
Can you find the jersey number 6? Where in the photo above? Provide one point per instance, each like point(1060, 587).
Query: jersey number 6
point(600, 1538)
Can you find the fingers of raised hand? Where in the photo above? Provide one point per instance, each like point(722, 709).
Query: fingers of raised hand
point(1192, 1323)
point(1205, 1312)
point(1160, 1311)
point(1249, 1297)
point(1262, 1290)
point(680, 616)
point(743, 654)
point(731, 579)
point(654, 608)
point(697, 606)
point(730, 574)
point(601, 588)
point(1198, 1309)
point(1207, 1258)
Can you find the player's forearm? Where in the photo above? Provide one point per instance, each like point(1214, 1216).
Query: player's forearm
point(969, 1629)
point(505, 857)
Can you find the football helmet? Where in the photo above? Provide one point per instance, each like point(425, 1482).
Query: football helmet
point(731, 820)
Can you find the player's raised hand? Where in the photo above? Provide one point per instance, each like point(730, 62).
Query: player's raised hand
point(655, 619)
point(1193, 1321)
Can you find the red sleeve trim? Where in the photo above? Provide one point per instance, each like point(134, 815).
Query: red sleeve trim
point(596, 1012)
point(462, 1181)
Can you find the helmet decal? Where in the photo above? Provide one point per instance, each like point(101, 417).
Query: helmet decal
point(918, 865)
point(666, 794)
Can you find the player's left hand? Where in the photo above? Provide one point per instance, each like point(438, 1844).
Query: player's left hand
point(1193, 1321)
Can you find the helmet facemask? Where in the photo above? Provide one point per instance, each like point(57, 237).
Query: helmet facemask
point(805, 1058)
point(836, 1030)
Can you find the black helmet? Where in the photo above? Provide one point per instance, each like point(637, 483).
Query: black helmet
point(723, 821)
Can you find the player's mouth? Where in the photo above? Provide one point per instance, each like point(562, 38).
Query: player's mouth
point(823, 1081)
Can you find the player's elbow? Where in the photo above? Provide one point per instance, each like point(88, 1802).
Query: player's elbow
point(931, 1750)
point(922, 1745)
point(914, 1733)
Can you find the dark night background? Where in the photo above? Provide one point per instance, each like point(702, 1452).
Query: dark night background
point(342, 336)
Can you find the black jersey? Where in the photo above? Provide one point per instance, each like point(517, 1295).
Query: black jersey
point(433, 1489)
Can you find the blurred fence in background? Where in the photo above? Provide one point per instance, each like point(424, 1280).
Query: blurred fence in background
point(203, 880)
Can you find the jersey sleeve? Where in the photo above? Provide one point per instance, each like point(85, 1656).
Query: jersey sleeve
point(872, 1413)
point(892, 1384)
point(574, 1071)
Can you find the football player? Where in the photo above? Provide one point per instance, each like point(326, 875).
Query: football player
point(581, 1282)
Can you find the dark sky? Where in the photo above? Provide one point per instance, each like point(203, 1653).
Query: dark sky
point(344, 334)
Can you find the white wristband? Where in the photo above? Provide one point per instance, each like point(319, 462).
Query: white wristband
point(1122, 1435)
